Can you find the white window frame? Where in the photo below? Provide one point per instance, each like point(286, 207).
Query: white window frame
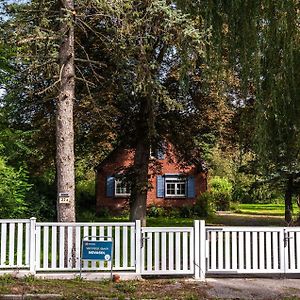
point(175, 180)
point(119, 180)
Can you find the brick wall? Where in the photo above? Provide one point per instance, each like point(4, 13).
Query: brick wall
point(124, 158)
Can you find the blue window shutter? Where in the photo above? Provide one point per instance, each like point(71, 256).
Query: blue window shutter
point(160, 186)
point(191, 187)
point(110, 186)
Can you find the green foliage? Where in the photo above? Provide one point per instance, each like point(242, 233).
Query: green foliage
point(220, 185)
point(13, 190)
point(154, 211)
point(221, 191)
point(126, 286)
point(7, 278)
point(41, 199)
point(187, 211)
point(30, 279)
point(205, 205)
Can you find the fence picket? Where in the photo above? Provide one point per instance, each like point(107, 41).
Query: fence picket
point(27, 241)
point(117, 246)
point(20, 244)
point(3, 243)
point(262, 250)
point(234, 262)
point(275, 250)
point(213, 250)
point(248, 250)
point(109, 234)
point(78, 247)
point(125, 246)
point(185, 251)
point(156, 251)
point(241, 250)
point(220, 250)
point(149, 251)
point(45, 246)
point(227, 250)
point(171, 251)
point(177, 251)
point(291, 242)
point(11, 244)
point(53, 247)
point(268, 251)
point(254, 251)
point(132, 246)
point(38, 247)
point(61, 247)
point(297, 236)
point(164, 251)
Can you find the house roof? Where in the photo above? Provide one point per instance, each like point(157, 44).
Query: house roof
point(110, 156)
point(199, 163)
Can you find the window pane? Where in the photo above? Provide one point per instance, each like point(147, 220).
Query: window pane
point(122, 187)
point(170, 188)
point(180, 189)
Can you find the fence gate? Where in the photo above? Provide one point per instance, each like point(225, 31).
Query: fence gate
point(252, 250)
point(167, 250)
point(292, 249)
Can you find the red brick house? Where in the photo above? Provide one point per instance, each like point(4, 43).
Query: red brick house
point(173, 186)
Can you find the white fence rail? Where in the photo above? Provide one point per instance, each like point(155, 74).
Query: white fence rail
point(56, 247)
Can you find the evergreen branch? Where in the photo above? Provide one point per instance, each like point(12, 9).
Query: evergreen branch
point(54, 84)
point(91, 62)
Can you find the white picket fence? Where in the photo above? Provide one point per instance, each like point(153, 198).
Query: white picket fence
point(191, 251)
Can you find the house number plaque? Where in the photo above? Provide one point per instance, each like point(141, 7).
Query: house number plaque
point(64, 198)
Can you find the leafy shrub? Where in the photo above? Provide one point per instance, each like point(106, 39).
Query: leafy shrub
point(204, 206)
point(103, 212)
point(154, 211)
point(221, 190)
point(13, 189)
point(186, 211)
point(87, 216)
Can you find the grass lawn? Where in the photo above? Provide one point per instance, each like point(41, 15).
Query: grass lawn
point(165, 289)
point(263, 209)
point(243, 215)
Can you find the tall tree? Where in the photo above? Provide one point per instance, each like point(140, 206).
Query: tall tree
point(65, 159)
point(259, 41)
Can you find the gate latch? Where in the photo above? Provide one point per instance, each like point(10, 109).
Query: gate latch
point(286, 238)
point(143, 239)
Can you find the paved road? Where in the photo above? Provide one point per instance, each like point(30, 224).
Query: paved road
point(253, 288)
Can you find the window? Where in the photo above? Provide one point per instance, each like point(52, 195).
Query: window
point(122, 188)
point(175, 187)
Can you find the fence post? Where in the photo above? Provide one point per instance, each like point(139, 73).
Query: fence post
point(138, 247)
point(32, 243)
point(200, 247)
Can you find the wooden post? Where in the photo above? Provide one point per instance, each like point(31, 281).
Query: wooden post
point(32, 243)
point(138, 247)
point(200, 247)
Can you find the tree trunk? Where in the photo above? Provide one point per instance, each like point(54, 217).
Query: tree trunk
point(138, 201)
point(288, 201)
point(64, 117)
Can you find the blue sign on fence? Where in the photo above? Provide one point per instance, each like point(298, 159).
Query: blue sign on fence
point(97, 250)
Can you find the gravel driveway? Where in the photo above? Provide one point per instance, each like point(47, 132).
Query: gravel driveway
point(253, 288)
